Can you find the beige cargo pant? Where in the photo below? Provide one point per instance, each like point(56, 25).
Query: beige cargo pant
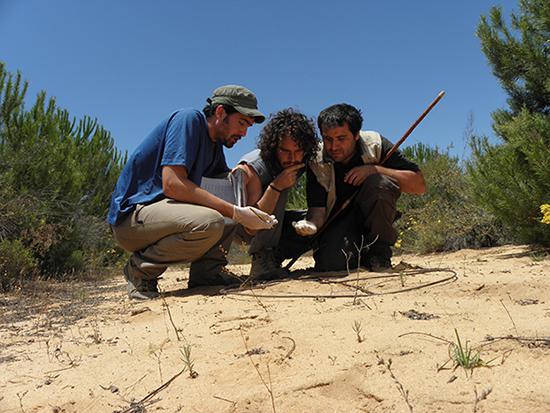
point(172, 232)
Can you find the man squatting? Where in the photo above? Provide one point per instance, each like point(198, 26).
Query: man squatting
point(158, 211)
point(348, 165)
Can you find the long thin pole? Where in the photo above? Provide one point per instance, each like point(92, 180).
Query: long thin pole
point(414, 125)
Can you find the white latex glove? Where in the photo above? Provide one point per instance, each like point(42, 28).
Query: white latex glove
point(253, 218)
point(304, 228)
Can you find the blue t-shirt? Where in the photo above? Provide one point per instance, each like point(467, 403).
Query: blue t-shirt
point(180, 140)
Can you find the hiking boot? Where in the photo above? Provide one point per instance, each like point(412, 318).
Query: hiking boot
point(140, 289)
point(376, 263)
point(265, 266)
point(378, 258)
point(223, 277)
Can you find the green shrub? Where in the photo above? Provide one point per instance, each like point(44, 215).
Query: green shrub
point(56, 177)
point(512, 178)
point(446, 217)
point(16, 263)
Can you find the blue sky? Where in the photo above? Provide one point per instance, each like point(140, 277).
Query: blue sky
point(130, 63)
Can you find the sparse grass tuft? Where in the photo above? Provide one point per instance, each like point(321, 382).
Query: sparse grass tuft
point(188, 361)
point(465, 356)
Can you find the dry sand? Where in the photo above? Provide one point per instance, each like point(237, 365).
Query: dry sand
point(94, 351)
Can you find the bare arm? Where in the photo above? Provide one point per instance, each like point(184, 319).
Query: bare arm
point(410, 182)
point(316, 215)
point(266, 201)
point(176, 185)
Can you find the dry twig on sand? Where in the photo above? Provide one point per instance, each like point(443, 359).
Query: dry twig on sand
point(139, 406)
point(482, 396)
point(404, 393)
point(165, 305)
point(268, 387)
point(510, 317)
point(358, 329)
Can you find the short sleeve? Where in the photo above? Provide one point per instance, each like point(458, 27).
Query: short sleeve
point(182, 143)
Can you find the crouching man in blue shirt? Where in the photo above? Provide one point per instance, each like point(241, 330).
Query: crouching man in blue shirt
point(158, 210)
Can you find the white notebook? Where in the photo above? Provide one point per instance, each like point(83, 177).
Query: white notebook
point(222, 188)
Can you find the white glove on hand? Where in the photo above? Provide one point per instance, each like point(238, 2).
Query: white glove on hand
point(304, 228)
point(253, 218)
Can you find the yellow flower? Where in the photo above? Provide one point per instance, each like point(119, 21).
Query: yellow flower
point(397, 243)
point(545, 211)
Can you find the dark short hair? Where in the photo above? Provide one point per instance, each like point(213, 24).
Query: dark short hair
point(338, 115)
point(287, 122)
point(210, 108)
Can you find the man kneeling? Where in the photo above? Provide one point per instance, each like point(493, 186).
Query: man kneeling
point(348, 168)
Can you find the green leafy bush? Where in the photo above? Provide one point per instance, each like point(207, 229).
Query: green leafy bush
point(16, 263)
point(512, 178)
point(56, 177)
point(446, 217)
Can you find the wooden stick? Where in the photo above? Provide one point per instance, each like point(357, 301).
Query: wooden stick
point(414, 125)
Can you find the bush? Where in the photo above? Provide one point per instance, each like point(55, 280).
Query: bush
point(16, 262)
point(446, 217)
point(297, 196)
point(512, 178)
point(56, 175)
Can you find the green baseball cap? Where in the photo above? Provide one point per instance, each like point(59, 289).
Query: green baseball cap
point(239, 97)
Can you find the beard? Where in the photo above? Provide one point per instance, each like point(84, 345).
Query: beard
point(230, 141)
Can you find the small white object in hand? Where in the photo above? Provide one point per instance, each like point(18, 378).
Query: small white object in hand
point(304, 227)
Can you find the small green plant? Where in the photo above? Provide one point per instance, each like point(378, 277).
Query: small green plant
point(465, 356)
point(358, 329)
point(188, 361)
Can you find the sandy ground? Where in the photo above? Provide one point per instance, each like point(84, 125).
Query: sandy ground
point(305, 345)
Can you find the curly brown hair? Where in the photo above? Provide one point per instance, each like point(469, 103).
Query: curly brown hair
point(287, 122)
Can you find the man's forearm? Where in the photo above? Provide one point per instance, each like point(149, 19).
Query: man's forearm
point(410, 182)
point(197, 195)
point(316, 215)
point(269, 200)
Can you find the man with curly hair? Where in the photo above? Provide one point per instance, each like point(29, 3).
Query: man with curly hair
point(285, 145)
